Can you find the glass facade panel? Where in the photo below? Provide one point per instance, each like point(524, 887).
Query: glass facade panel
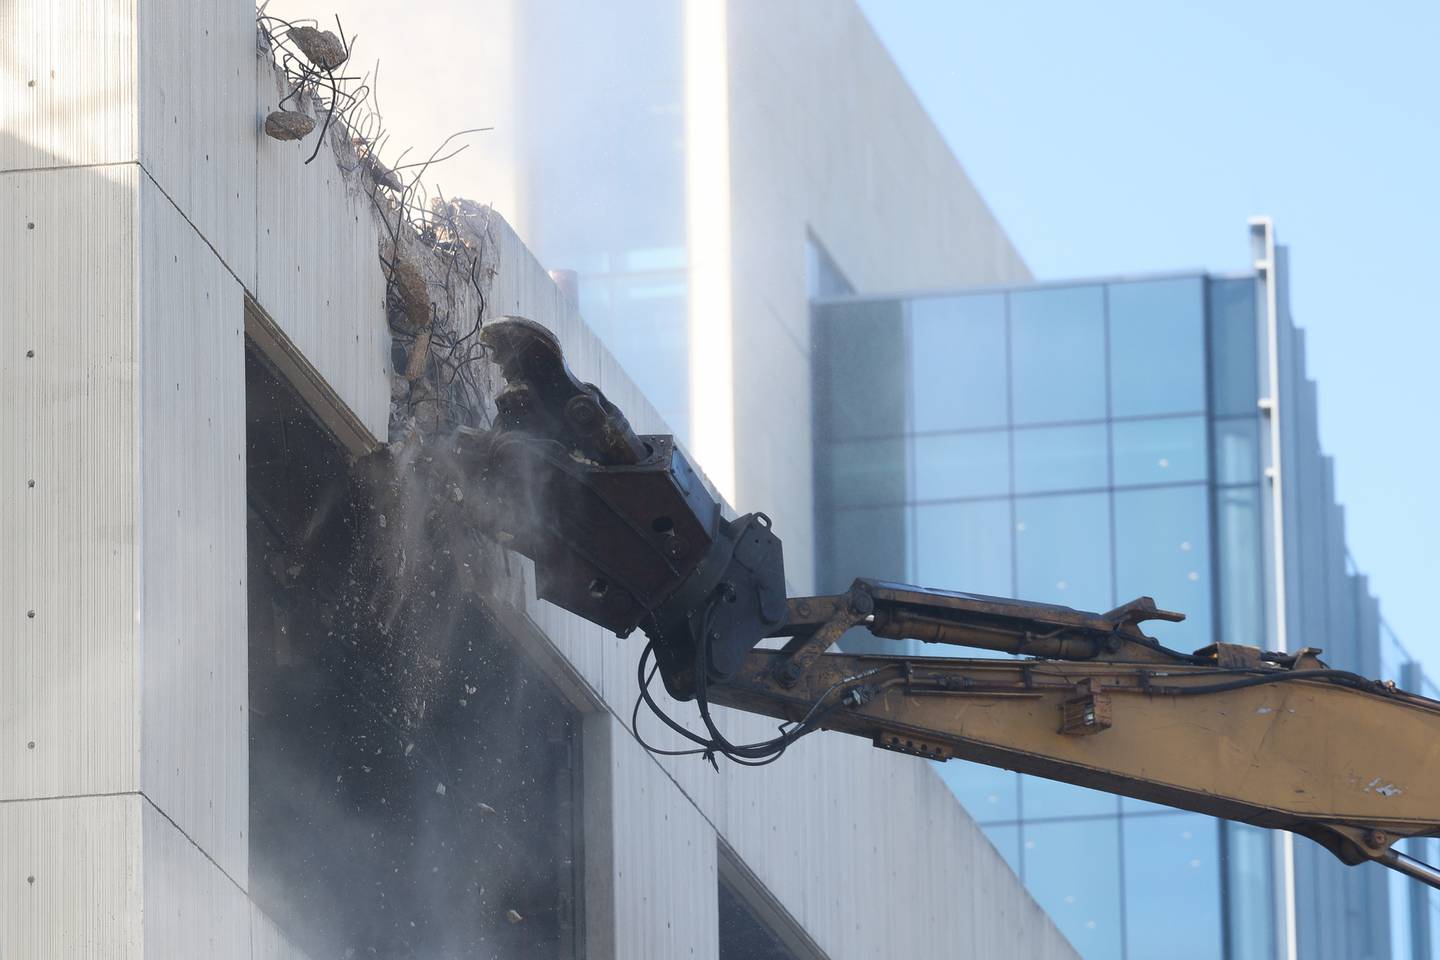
point(868, 542)
point(1239, 562)
point(1249, 877)
point(1050, 798)
point(952, 465)
point(958, 372)
point(1160, 451)
point(989, 793)
point(1157, 347)
point(1237, 450)
point(1172, 887)
point(1162, 550)
point(1234, 346)
point(1051, 459)
point(860, 369)
point(1062, 550)
point(964, 546)
point(1058, 354)
point(1073, 871)
point(864, 473)
point(1135, 457)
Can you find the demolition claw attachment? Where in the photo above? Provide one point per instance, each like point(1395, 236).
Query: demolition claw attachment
point(622, 529)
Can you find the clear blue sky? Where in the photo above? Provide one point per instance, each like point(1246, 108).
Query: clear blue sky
point(1122, 137)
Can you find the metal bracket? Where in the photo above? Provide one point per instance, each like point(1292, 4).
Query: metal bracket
point(844, 612)
point(1089, 712)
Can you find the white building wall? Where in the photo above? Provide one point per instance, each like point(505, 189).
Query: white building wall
point(826, 137)
point(127, 246)
point(123, 744)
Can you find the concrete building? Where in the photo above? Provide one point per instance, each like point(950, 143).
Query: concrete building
point(256, 702)
point(1089, 442)
point(678, 157)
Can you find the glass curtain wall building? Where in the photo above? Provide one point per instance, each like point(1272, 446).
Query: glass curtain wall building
point(1086, 443)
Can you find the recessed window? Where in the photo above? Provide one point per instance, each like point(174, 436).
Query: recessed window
point(413, 780)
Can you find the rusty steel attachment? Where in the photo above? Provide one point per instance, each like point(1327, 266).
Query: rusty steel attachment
point(624, 533)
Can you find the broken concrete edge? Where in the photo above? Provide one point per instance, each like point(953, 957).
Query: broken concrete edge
point(436, 254)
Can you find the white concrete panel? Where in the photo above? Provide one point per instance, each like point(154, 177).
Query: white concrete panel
point(69, 715)
point(198, 125)
point(195, 743)
point(826, 136)
point(656, 873)
point(67, 82)
point(318, 272)
point(192, 909)
point(70, 883)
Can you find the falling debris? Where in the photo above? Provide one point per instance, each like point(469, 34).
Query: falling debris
point(486, 809)
point(288, 125)
point(409, 747)
point(513, 916)
point(440, 789)
point(321, 47)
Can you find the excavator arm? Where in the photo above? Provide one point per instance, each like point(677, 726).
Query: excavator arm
point(624, 533)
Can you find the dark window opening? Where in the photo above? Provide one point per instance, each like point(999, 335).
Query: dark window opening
point(413, 780)
point(752, 926)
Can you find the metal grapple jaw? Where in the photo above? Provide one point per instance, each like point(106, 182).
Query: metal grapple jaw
point(622, 530)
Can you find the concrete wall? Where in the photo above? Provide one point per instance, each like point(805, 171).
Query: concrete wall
point(129, 239)
point(130, 246)
point(826, 136)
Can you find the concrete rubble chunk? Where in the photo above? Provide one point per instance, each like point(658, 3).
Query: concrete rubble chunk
point(288, 125)
point(321, 47)
point(381, 174)
point(409, 278)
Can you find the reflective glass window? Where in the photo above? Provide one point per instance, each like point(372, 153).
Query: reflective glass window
point(864, 473)
point(964, 546)
point(1250, 877)
point(1168, 450)
point(1057, 354)
point(1172, 887)
point(1061, 458)
point(1234, 346)
point(958, 361)
point(1162, 550)
point(1073, 871)
point(988, 793)
point(859, 369)
point(1237, 449)
point(1241, 562)
point(950, 465)
point(1051, 798)
point(1157, 347)
point(743, 935)
point(1062, 550)
point(866, 542)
